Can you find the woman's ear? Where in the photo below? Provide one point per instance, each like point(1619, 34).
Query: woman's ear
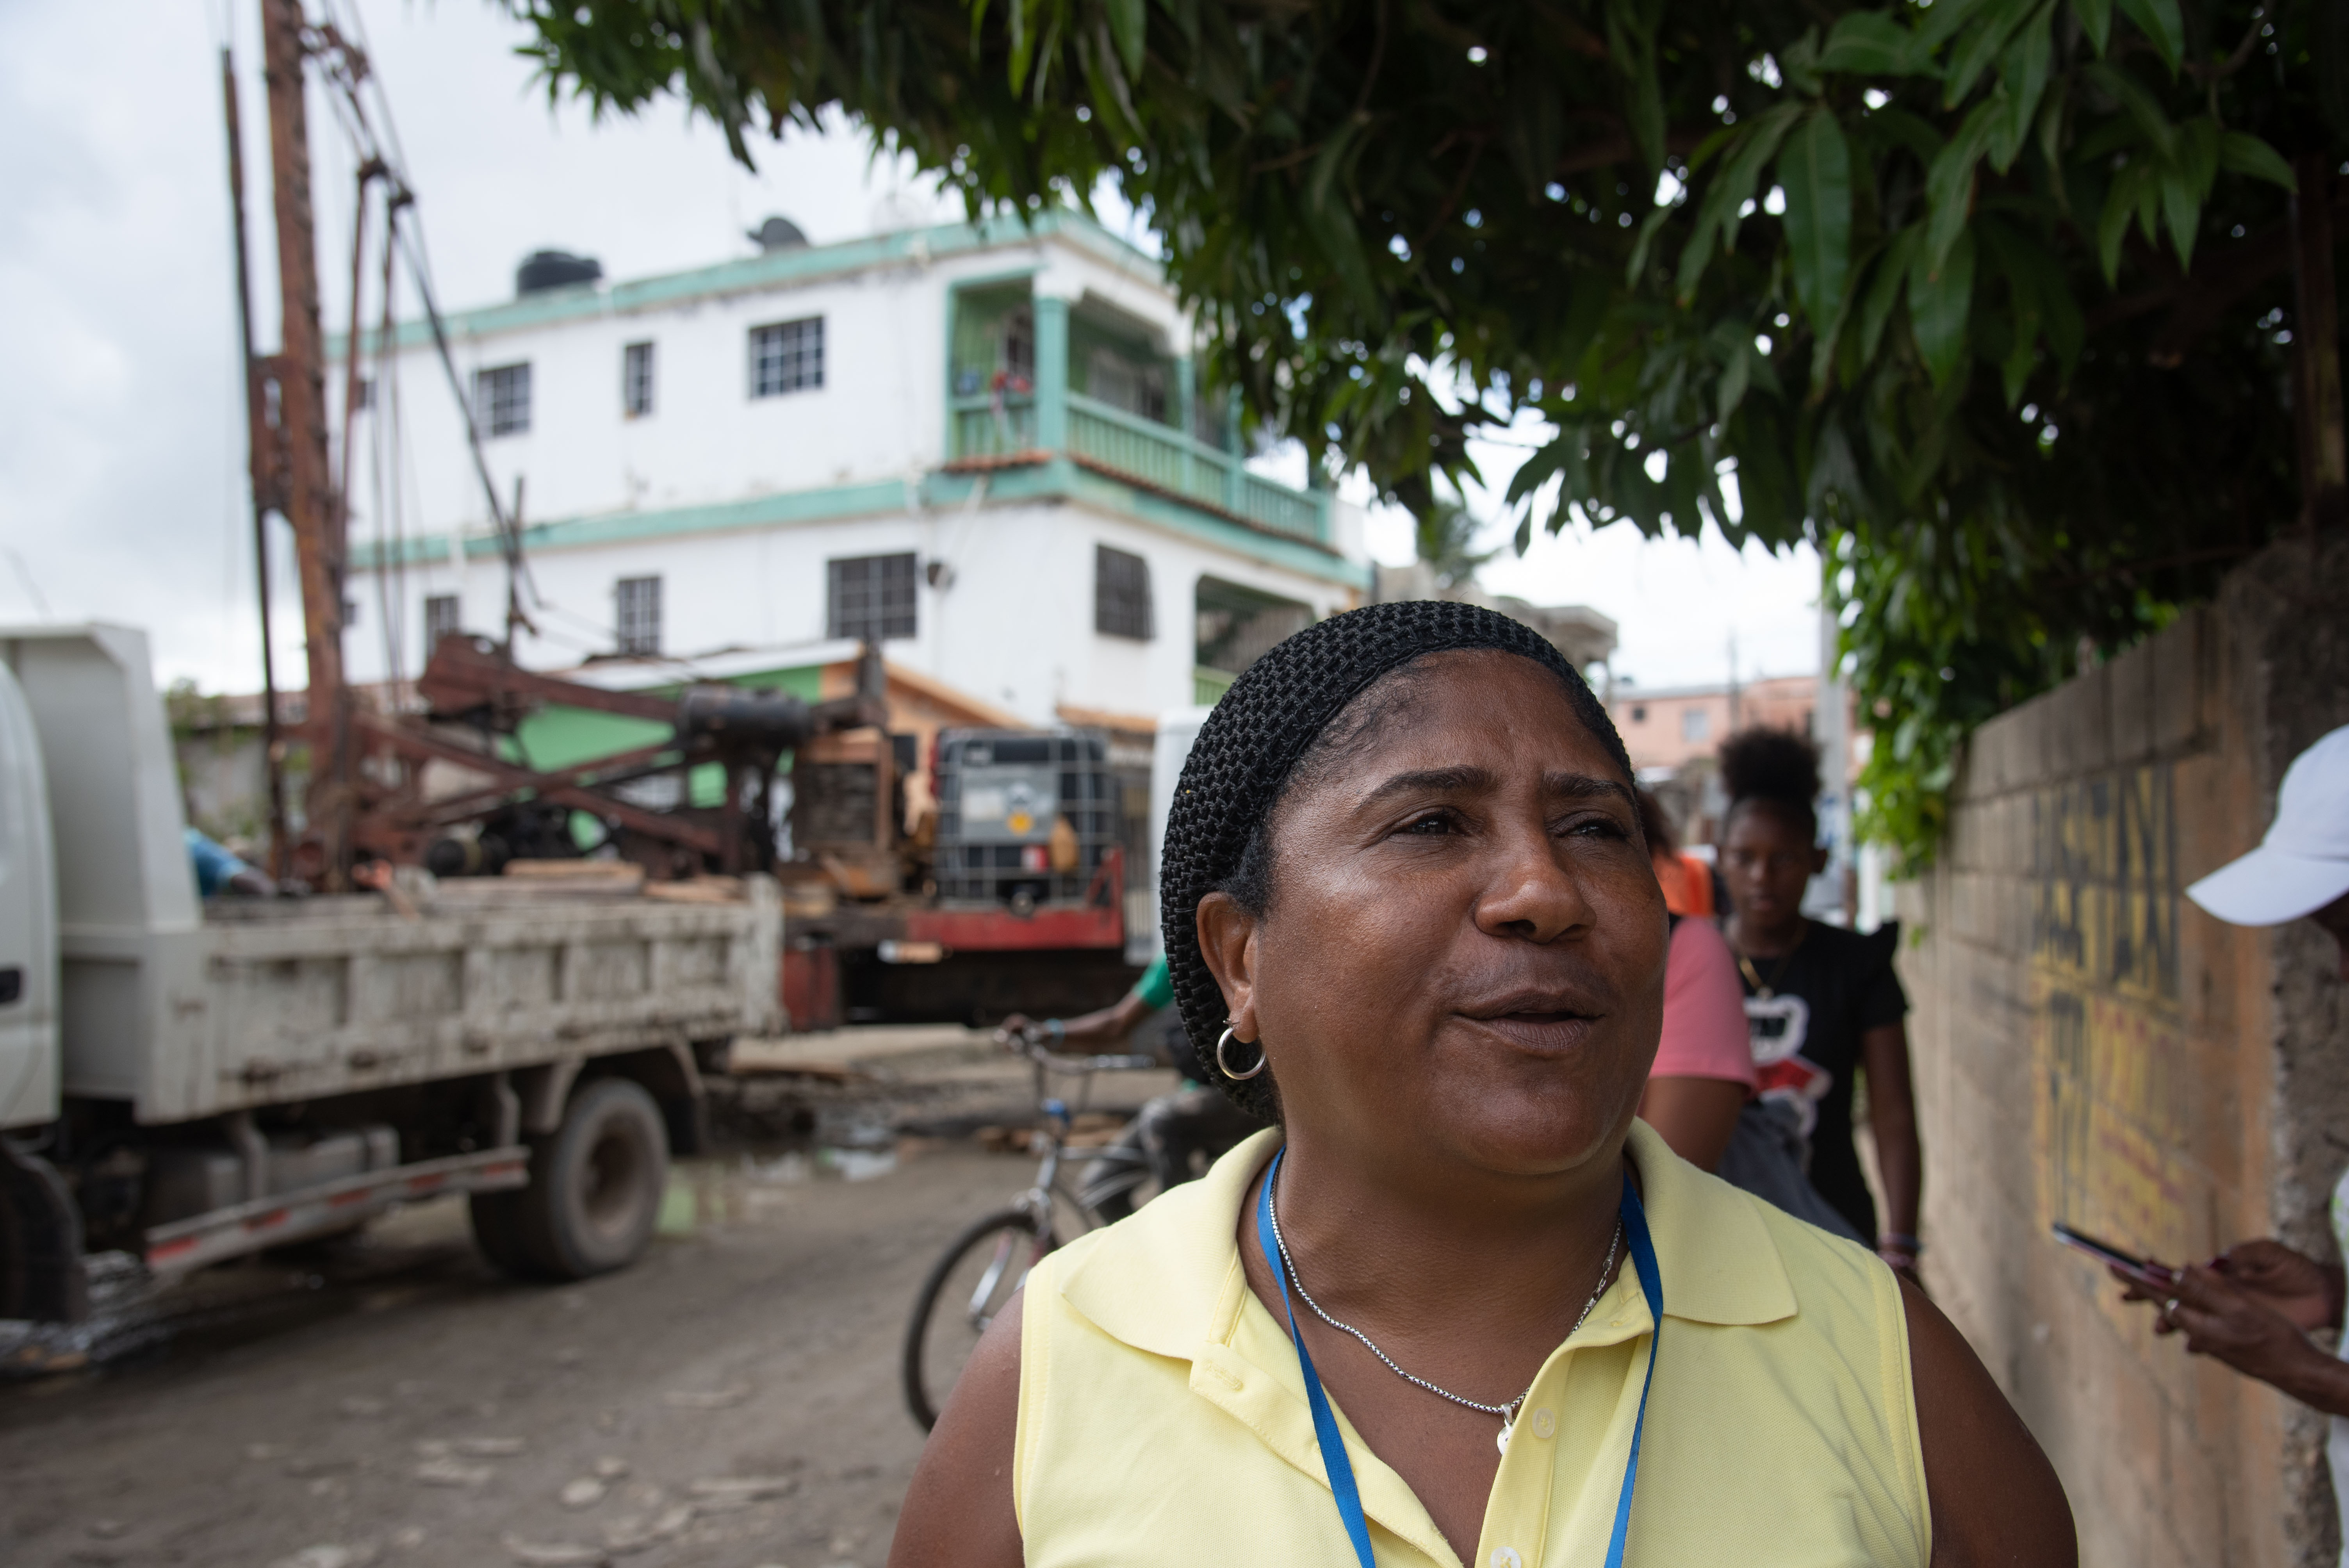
point(1227, 945)
point(1818, 859)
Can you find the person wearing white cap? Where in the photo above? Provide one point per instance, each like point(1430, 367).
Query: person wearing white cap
point(2252, 1307)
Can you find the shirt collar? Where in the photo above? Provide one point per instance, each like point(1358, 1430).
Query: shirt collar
point(1159, 1281)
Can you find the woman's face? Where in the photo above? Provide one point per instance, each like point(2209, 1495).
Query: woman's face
point(1463, 952)
point(1768, 861)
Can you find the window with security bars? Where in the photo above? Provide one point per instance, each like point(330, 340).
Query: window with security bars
point(787, 356)
point(637, 614)
point(501, 399)
point(442, 617)
point(1122, 594)
point(871, 597)
point(636, 380)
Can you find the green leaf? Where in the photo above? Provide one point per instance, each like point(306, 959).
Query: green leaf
point(1940, 300)
point(1868, 43)
point(1941, 23)
point(2198, 154)
point(1891, 274)
point(2038, 279)
point(2112, 228)
point(1023, 42)
point(1129, 24)
point(1981, 47)
point(1903, 129)
point(2144, 111)
point(2022, 78)
point(1950, 183)
point(2240, 153)
point(1816, 169)
point(1649, 227)
point(2182, 206)
point(2162, 24)
point(1735, 377)
point(1732, 188)
point(2095, 20)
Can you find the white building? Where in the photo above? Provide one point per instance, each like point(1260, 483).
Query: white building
point(979, 443)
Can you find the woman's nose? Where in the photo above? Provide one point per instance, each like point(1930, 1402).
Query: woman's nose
point(1531, 895)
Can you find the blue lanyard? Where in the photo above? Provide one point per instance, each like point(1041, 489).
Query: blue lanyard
point(1325, 1421)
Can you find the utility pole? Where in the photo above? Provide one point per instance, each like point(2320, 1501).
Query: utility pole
point(264, 467)
point(309, 495)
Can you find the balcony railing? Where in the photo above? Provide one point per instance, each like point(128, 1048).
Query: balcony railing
point(1166, 458)
point(985, 427)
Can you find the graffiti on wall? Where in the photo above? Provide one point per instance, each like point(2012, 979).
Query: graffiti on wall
point(2110, 1121)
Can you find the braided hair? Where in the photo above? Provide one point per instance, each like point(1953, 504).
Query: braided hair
point(1294, 714)
point(1777, 769)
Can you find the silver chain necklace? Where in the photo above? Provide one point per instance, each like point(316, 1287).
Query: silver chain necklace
point(1508, 1412)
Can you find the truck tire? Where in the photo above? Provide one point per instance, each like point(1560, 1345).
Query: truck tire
point(596, 1185)
point(497, 1231)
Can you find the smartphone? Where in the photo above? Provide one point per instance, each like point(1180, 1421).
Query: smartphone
point(2159, 1277)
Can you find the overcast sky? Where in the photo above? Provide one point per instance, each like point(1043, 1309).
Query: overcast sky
point(121, 441)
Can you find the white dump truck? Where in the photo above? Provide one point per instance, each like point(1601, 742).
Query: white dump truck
point(187, 1079)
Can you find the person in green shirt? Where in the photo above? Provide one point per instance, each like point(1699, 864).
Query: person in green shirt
point(1107, 1026)
point(1179, 1134)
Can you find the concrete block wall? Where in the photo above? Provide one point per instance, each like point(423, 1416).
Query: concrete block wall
point(2091, 1048)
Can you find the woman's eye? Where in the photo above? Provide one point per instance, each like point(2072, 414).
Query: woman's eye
point(1599, 828)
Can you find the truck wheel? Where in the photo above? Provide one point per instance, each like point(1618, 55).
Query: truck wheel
point(497, 1231)
point(595, 1186)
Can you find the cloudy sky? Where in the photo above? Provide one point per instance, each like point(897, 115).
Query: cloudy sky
point(121, 443)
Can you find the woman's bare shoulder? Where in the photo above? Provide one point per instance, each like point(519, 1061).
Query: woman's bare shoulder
point(1994, 1496)
point(958, 1507)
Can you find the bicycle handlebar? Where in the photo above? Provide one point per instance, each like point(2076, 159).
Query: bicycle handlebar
point(1025, 1043)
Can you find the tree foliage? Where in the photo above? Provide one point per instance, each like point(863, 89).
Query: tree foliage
point(1444, 537)
point(1990, 299)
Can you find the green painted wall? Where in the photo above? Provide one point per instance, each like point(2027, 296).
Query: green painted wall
point(562, 737)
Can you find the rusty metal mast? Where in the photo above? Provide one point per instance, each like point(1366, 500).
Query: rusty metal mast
point(262, 466)
point(309, 495)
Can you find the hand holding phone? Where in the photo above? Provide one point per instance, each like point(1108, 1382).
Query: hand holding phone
point(2142, 1271)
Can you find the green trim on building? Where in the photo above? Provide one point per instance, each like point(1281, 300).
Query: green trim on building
point(1050, 480)
point(752, 274)
point(782, 507)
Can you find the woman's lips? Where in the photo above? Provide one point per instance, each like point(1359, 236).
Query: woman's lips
point(1545, 1031)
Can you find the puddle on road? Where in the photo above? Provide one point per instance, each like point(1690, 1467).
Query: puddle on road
point(762, 1184)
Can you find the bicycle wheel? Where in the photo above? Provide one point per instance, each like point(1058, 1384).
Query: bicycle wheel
point(966, 1289)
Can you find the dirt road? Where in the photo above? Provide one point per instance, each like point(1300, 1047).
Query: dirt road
point(730, 1402)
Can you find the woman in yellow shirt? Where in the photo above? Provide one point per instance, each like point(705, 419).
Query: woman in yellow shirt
point(1454, 1308)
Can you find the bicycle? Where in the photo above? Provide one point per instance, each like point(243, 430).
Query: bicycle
point(983, 1266)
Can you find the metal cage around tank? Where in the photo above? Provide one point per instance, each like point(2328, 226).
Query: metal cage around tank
point(1000, 794)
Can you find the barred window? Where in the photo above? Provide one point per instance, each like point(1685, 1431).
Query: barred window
point(637, 614)
point(442, 617)
point(1121, 605)
point(871, 597)
point(501, 399)
point(787, 356)
point(636, 380)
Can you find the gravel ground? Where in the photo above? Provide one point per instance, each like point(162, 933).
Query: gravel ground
point(730, 1402)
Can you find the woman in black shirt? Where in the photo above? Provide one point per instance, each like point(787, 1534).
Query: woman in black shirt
point(1821, 1002)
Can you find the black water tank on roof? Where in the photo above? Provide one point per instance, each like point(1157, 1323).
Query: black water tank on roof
point(779, 234)
point(554, 270)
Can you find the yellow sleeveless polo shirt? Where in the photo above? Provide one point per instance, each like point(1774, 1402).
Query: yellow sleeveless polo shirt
point(1163, 1418)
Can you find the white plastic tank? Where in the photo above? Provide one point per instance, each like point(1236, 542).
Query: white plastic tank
point(1177, 729)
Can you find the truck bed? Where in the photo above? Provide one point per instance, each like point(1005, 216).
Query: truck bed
point(276, 1001)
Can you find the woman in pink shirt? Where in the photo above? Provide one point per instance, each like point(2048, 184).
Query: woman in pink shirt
point(1705, 1064)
